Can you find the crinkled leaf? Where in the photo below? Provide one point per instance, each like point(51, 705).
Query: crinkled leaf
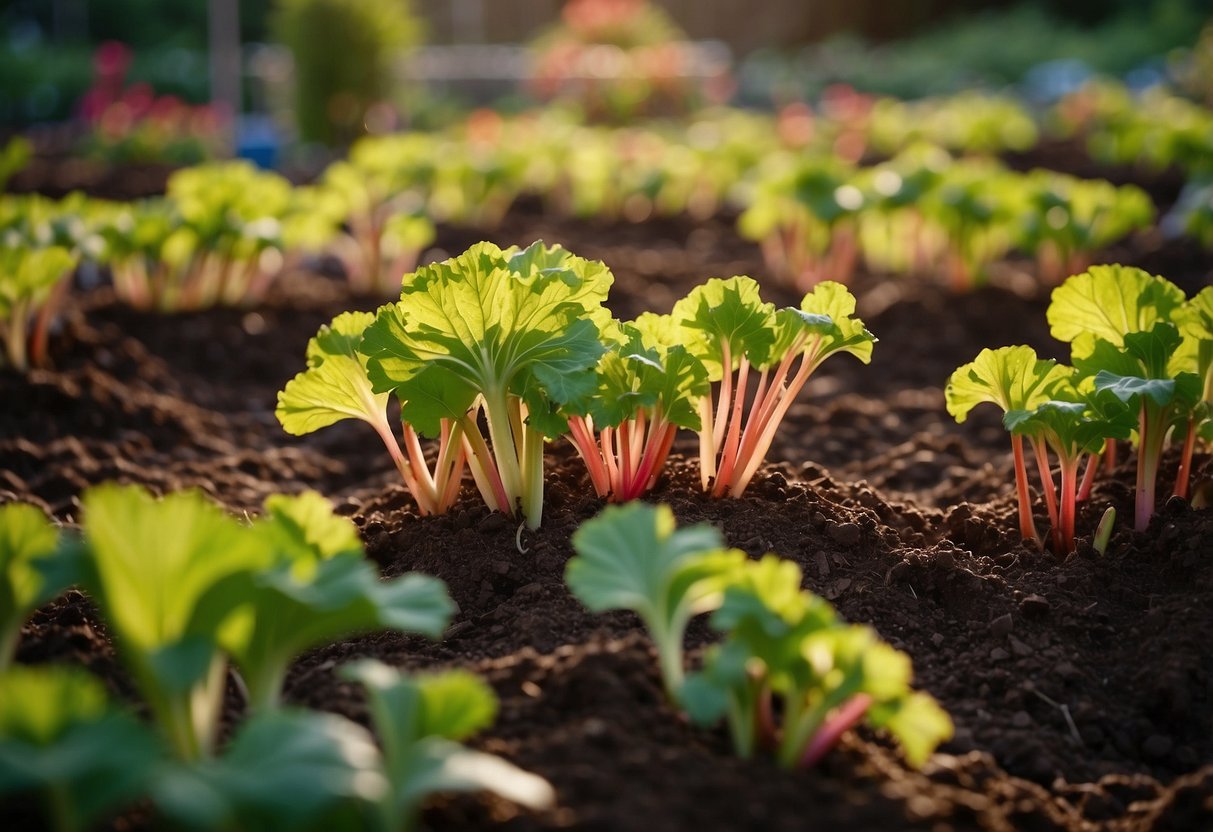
point(1108, 302)
point(1011, 377)
point(335, 386)
point(726, 311)
point(492, 320)
point(826, 323)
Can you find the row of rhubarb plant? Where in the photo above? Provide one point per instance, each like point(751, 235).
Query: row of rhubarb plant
point(1142, 356)
point(521, 343)
point(186, 591)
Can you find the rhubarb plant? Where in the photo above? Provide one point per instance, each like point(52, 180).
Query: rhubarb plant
point(62, 740)
point(1121, 323)
point(318, 588)
point(632, 557)
point(421, 721)
point(805, 221)
point(648, 387)
point(1016, 380)
point(29, 276)
point(384, 230)
point(335, 387)
point(215, 238)
point(184, 587)
point(791, 677)
point(1075, 426)
point(150, 565)
point(1196, 355)
point(1069, 219)
point(732, 331)
point(29, 544)
point(510, 333)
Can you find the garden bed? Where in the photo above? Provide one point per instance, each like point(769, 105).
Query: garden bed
point(1082, 691)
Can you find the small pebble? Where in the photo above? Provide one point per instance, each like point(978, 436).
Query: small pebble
point(1000, 627)
point(1019, 648)
point(1021, 719)
point(845, 534)
point(937, 639)
point(999, 655)
point(1035, 605)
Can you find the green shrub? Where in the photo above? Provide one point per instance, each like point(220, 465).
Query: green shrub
point(343, 51)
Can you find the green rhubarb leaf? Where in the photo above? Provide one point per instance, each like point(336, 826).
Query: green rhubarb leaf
point(916, 721)
point(1011, 377)
point(320, 589)
point(1184, 389)
point(1153, 348)
point(153, 560)
point(1109, 302)
point(27, 275)
point(420, 720)
point(632, 557)
point(305, 526)
point(494, 322)
point(643, 374)
point(60, 736)
point(726, 313)
point(28, 541)
point(284, 771)
point(825, 322)
point(335, 386)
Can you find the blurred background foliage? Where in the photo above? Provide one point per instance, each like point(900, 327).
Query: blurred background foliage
point(794, 49)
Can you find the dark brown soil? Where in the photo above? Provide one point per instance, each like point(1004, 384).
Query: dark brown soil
point(1082, 691)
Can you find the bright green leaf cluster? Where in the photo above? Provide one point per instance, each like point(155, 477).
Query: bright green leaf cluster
point(781, 642)
point(726, 325)
point(1142, 356)
point(183, 588)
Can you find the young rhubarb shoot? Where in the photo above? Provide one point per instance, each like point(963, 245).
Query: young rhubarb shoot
point(1016, 380)
point(631, 557)
point(730, 329)
point(28, 278)
point(648, 387)
point(511, 333)
point(786, 652)
point(1074, 431)
point(421, 721)
point(153, 568)
point(1121, 325)
point(335, 387)
point(318, 588)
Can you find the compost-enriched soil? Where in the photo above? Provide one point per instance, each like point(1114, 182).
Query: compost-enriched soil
point(1082, 691)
